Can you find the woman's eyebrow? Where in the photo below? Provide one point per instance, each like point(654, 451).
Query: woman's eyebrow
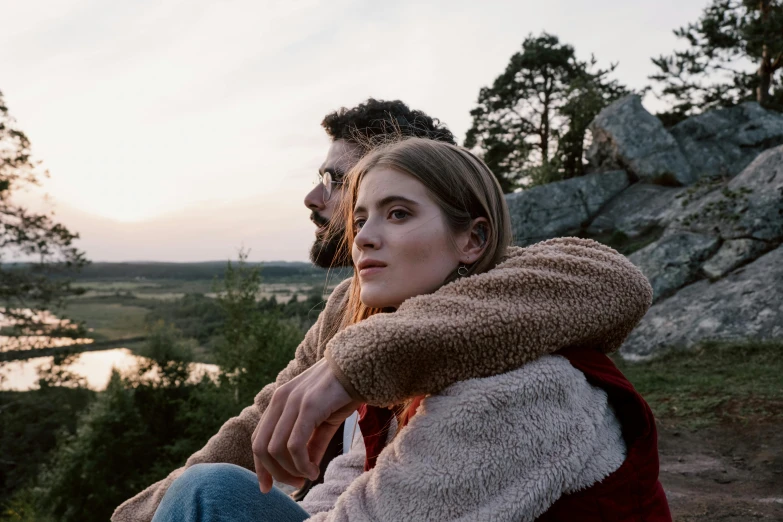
point(388, 200)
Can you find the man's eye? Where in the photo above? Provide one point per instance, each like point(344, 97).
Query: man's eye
point(399, 214)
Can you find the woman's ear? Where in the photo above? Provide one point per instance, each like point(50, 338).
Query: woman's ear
point(474, 241)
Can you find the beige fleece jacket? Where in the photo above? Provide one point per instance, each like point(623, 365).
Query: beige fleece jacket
point(557, 293)
point(500, 448)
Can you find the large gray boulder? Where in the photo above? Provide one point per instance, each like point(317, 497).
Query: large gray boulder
point(724, 142)
point(561, 208)
point(732, 254)
point(750, 206)
point(637, 210)
point(674, 261)
point(748, 303)
point(626, 136)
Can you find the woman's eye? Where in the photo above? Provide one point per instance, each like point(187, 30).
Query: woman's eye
point(358, 224)
point(399, 214)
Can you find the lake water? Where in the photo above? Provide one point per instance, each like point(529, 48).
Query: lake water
point(95, 367)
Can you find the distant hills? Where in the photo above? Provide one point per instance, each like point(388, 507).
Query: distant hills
point(192, 271)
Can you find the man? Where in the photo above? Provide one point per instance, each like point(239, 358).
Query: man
point(353, 132)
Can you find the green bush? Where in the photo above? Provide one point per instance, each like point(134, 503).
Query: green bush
point(146, 424)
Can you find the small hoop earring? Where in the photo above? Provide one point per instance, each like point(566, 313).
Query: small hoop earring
point(462, 271)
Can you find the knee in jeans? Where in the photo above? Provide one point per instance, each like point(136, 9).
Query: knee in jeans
point(211, 474)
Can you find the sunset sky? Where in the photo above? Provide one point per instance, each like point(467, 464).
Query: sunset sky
point(182, 130)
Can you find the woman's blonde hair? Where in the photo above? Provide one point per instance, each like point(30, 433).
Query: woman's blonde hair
point(460, 183)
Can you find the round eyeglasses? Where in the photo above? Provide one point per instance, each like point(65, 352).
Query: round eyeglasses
point(327, 179)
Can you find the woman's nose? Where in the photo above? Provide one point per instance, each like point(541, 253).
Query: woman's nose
point(368, 236)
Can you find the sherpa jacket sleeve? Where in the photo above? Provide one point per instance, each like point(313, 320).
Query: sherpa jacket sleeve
point(503, 448)
point(232, 443)
point(557, 293)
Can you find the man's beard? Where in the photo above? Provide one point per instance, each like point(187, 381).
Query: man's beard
point(326, 251)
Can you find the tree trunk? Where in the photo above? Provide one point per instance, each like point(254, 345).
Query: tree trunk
point(765, 79)
point(764, 71)
point(545, 124)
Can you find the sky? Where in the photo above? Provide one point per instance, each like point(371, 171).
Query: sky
point(185, 130)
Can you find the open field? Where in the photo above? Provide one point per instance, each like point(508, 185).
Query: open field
point(176, 289)
point(109, 320)
point(719, 411)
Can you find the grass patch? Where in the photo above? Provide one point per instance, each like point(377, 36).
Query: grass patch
point(107, 320)
point(715, 382)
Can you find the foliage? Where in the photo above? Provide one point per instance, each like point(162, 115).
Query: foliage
point(255, 345)
point(207, 271)
point(29, 289)
point(148, 422)
point(30, 424)
point(530, 125)
point(195, 315)
point(139, 429)
point(167, 356)
point(734, 54)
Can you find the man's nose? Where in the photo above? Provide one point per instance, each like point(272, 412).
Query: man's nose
point(314, 200)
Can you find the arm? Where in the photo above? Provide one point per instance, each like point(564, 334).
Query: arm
point(558, 293)
point(232, 443)
point(501, 448)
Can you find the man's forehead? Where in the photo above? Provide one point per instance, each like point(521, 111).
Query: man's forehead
point(342, 155)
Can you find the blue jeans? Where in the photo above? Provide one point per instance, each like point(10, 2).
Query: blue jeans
point(224, 492)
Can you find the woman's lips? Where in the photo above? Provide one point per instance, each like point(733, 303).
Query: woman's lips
point(370, 270)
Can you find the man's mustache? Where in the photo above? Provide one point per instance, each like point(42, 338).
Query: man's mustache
point(318, 219)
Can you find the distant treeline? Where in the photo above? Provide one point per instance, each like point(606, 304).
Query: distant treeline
point(186, 271)
point(191, 271)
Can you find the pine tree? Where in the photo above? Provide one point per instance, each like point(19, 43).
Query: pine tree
point(36, 253)
point(734, 54)
point(530, 124)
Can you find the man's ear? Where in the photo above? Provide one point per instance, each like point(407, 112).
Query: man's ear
point(474, 241)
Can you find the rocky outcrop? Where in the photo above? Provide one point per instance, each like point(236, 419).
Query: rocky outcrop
point(626, 136)
point(749, 206)
point(674, 261)
point(561, 208)
point(748, 303)
point(732, 254)
point(638, 209)
point(724, 142)
point(711, 248)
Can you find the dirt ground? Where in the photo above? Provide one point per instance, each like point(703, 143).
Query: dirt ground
point(730, 472)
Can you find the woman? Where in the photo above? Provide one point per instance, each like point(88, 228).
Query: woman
point(539, 441)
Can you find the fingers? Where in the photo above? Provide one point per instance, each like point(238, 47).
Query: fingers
point(265, 481)
point(273, 444)
point(282, 441)
point(298, 443)
point(294, 431)
point(320, 440)
point(266, 467)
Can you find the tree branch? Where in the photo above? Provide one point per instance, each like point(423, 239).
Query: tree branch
point(777, 64)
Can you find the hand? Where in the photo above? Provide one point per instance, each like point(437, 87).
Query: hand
point(294, 431)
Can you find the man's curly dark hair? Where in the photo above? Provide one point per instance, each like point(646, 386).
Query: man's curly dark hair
point(371, 121)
